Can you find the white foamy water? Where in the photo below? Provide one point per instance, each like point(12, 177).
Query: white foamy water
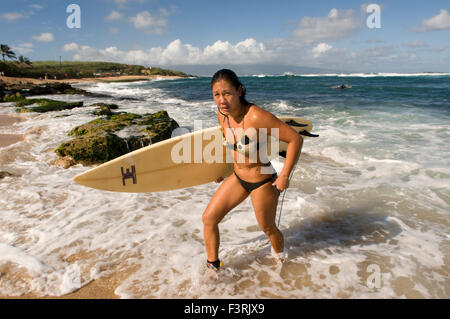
point(366, 215)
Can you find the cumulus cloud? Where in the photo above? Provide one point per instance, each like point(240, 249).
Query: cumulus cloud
point(154, 23)
point(44, 37)
point(320, 49)
point(113, 16)
point(177, 52)
point(338, 24)
point(440, 21)
point(70, 47)
point(11, 16)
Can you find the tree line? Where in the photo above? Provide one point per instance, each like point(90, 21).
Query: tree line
point(23, 67)
point(6, 52)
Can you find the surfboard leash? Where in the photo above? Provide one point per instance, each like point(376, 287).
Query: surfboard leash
point(284, 194)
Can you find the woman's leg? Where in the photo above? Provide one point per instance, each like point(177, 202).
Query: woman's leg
point(265, 200)
point(229, 195)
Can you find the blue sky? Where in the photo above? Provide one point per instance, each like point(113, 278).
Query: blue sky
point(414, 36)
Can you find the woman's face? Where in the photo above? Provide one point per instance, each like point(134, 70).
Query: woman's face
point(227, 97)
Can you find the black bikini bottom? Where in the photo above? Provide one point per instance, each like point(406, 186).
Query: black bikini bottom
point(249, 187)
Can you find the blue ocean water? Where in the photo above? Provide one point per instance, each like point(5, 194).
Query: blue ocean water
point(367, 214)
point(393, 111)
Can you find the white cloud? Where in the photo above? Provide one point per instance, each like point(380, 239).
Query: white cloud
point(176, 52)
point(440, 21)
point(11, 16)
point(320, 49)
point(338, 24)
point(70, 47)
point(44, 37)
point(150, 22)
point(23, 48)
point(114, 16)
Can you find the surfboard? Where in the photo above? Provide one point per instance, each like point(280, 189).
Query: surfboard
point(182, 161)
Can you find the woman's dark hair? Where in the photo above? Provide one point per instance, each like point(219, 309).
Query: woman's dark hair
point(232, 78)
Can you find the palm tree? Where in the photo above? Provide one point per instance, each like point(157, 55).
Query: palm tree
point(5, 50)
point(24, 61)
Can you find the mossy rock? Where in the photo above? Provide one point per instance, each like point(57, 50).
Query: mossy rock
point(45, 105)
point(110, 106)
point(104, 109)
point(108, 124)
point(13, 98)
point(93, 148)
point(97, 141)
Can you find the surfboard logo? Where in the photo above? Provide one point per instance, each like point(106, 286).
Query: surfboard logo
point(127, 174)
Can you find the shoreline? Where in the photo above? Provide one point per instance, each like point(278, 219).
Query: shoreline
point(119, 78)
point(99, 288)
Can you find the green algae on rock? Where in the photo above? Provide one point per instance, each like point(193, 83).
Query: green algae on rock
point(44, 105)
point(104, 139)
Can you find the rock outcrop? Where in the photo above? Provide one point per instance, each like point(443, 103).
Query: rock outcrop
point(28, 89)
point(106, 138)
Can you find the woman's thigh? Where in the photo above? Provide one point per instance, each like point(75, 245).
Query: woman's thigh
point(228, 196)
point(265, 201)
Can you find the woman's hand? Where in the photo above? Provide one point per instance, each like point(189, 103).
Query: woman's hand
point(281, 183)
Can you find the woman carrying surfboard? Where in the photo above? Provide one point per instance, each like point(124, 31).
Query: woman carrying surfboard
point(241, 123)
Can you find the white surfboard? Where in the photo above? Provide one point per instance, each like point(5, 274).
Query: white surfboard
point(183, 161)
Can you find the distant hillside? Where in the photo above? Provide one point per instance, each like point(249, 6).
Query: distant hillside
point(80, 69)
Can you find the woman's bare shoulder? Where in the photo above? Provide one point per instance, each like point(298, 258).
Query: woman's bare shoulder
point(259, 117)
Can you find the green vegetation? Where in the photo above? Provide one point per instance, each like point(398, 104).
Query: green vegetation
point(47, 105)
point(6, 51)
point(23, 67)
point(77, 69)
point(13, 98)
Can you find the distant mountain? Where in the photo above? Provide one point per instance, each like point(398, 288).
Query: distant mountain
point(248, 69)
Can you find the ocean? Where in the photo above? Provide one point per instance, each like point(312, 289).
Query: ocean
point(367, 214)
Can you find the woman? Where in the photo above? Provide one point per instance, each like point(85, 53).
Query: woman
point(241, 122)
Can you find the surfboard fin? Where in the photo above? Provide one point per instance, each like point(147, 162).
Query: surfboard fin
point(294, 123)
point(306, 133)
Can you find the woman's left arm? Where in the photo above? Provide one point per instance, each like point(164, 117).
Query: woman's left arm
point(288, 135)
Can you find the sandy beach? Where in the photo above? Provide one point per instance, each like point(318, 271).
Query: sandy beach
point(102, 288)
point(130, 78)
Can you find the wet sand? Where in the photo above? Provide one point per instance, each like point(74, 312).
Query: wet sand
point(8, 139)
point(102, 288)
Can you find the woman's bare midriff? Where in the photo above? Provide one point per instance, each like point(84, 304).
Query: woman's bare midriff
point(253, 172)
